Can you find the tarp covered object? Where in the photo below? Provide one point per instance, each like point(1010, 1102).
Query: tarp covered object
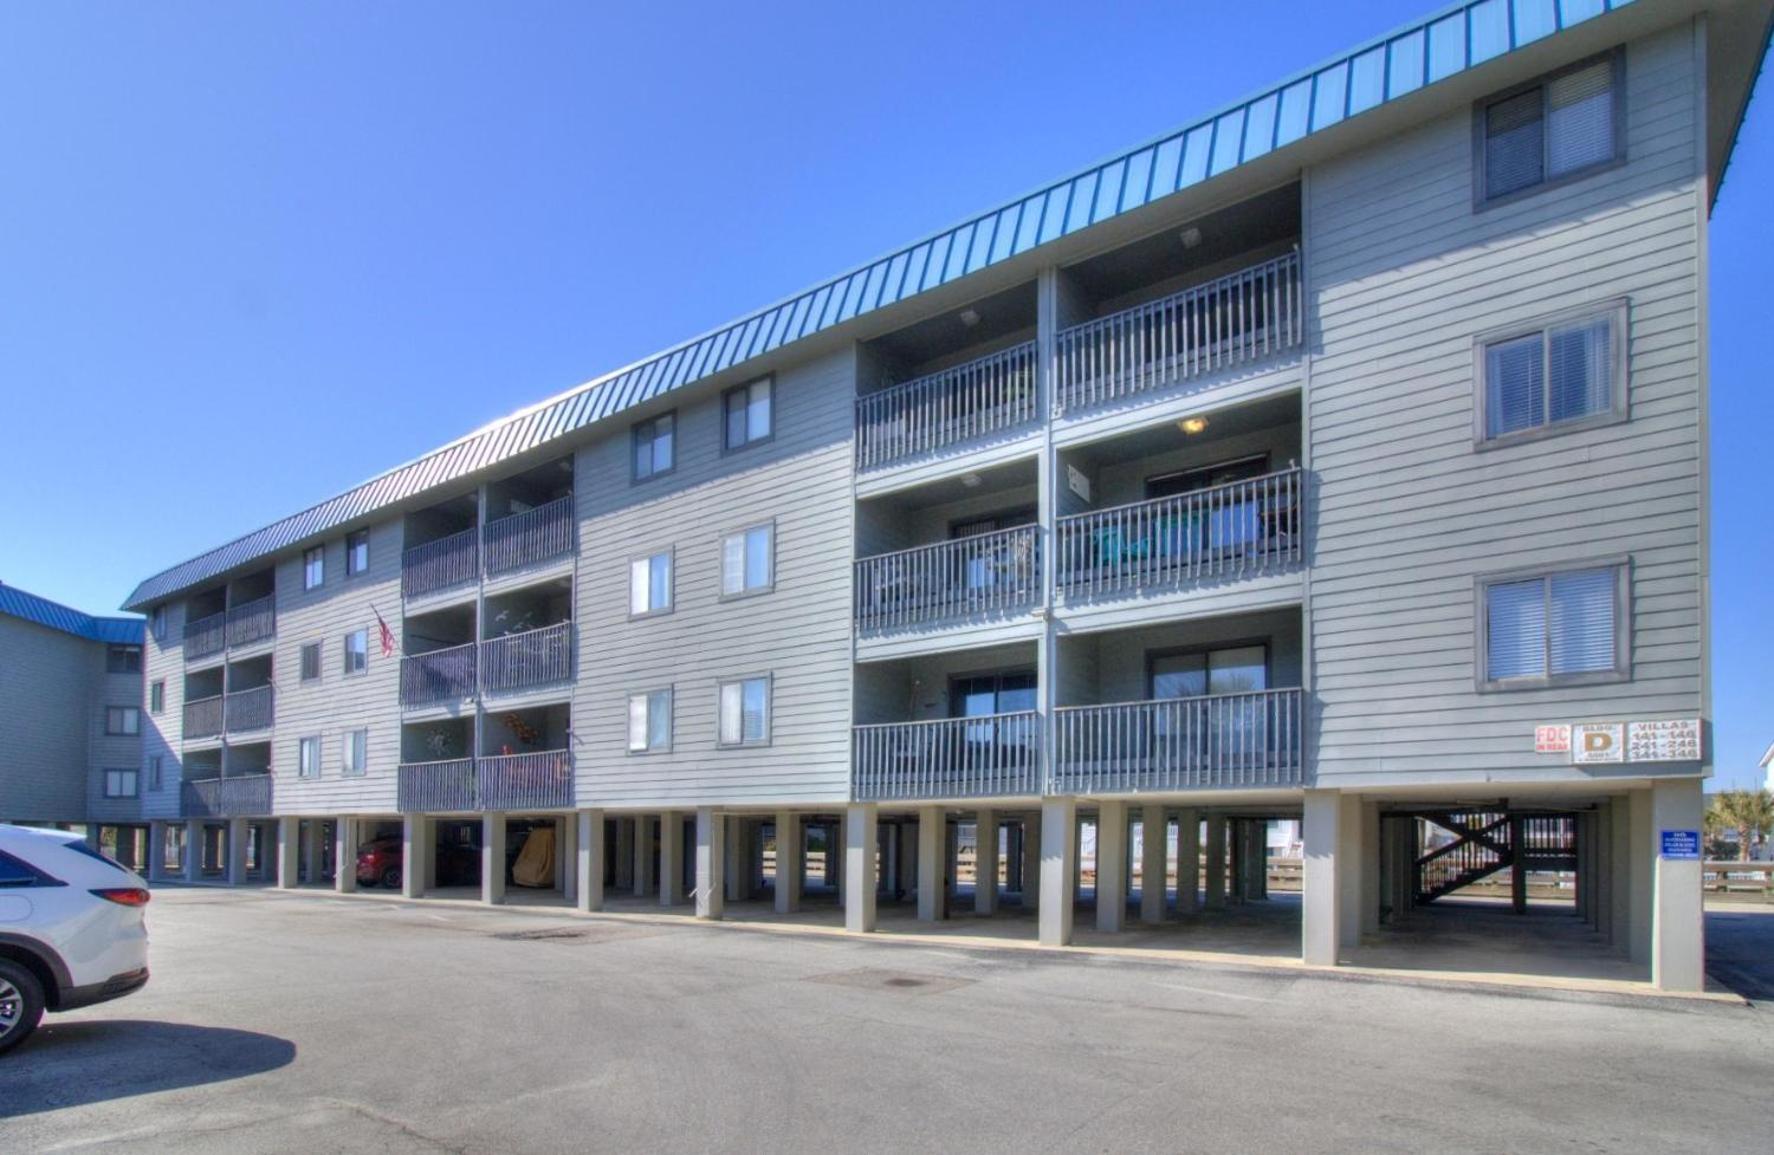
point(535, 862)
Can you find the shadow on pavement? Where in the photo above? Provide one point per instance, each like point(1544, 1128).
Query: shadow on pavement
point(1740, 951)
point(73, 1063)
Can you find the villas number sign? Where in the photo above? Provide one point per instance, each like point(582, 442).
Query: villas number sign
point(1604, 743)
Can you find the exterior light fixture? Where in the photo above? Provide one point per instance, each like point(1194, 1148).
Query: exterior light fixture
point(970, 480)
point(969, 318)
point(1190, 237)
point(1192, 425)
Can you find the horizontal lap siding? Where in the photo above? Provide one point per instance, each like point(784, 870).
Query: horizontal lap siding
point(163, 660)
point(46, 683)
point(799, 632)
point(1404, 275)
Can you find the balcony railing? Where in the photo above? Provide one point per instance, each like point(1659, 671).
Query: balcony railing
point(1240, 529)
point(524, 661)
point(252, 621)
point(989, 756)
point(1223, 741)
point(1237, 319)
point(985, 395)
point(206, 636)
point(988, 573)
point(249, 710)
point(241, 796)
point(536, 535)
point(203, 717)
point(538, 781)
point(427, 787)
point(441, 564)
point(438, 676)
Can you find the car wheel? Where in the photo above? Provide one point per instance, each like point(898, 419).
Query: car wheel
point(21, 1004)
point(391, 878)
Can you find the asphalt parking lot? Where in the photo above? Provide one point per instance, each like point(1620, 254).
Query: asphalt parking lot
point(279, 1022)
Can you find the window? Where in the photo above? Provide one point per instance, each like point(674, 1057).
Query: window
point(1569, 373)
point(14, 872)
point(1231, 670)
point(1558, 627)
point(308, 758)
point(123, 720)
point(123, 659)
point(748, 413)
point(357, 652)
point(655, 446)
point(357, 552)
point(313, 568)
point(649, 722)
point(649, 584)
point(156, 697)
point(745, 712)
point(311, 662)
point(357, 752)
point(120, 783)
point(155, 776)
point(157, 623)
point(1560, 127)
point(748, 561)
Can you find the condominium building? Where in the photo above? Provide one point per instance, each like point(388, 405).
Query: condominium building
point(1340, 458)
point(70, 721)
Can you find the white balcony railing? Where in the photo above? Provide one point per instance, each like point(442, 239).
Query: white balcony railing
point(528, 538)
point(1223, 741)
point(441, 564)
point(523, 661)
point(991, 756)
point(985, 574)
point(983, 396)
point(438, 676)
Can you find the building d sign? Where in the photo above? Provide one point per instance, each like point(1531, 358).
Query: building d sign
point(1598, 742)
point(1604, 743)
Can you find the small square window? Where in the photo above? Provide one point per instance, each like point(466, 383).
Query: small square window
point(748, 561)
point(649, 722)
point(123, 659)
point(156, 697)
point(1559, 127)
point(311, 662)
point(649, 584)
point(1561, 375)
point(313, 567)
point(357, 652)
point(308, 758)
point(749, 415)
point(121, 784)
point(655, 446)
point(124, 721)
point(1544, 629)
point(357, 756)
point(745, 712)
point(357, 552)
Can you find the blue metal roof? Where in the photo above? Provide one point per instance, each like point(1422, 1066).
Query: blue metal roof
point(15, 602)
point(1356, 82)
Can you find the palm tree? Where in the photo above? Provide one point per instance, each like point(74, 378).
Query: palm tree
point(1748, 812)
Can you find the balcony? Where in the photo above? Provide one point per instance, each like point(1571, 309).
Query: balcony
point(1217, 742)
point(1235, 320)
point(527, 660)
point(437, 787)
point(995, 755)
point(242, 796)
point(203, 717)
point(534, 536)
point(252, 621)
point(987, 573)
point(205, 636)
point(542, 780)
point(983, 396)
point(441, 564)
point(1240, 529)
point(247, 710)
point(439, 676)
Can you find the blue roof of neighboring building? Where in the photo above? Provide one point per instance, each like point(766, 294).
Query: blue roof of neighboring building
point(16, 603)
point(1390, 67)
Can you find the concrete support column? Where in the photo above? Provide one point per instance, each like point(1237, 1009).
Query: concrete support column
point(1111, 866)
point(861, 842)
point(1604, 871)
point(566, 873)
point(711, 863)
point(1237, 858)
point(194, 838)
point(415, 830)
point(624, 856)
point(1059, 870)
point(492, 857)
point(790, 857)
point(1678, 938)
point(1369, 912)
point(643, 855)
point(671, 858)
point(1031, 848)
point(1188, 861)
point(156, 852)
point(834, 858)
point(1620, 896)
point(933, 845)
point(733, 869)
point(985, 863)
point(1350, 851)
point(289, 857)
point(1154, 862)
point(314, 852)
point(1216, 862)
point(588, 861)
point(1585, 876)
point(237, 840)
point(345, 854)
point(1641, 874)
point(1321, 897)
point(1399, 837)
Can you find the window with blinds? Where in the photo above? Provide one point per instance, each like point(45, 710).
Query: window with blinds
point(649, 722)
point(748, 561)
point(745, 712)
point(1554, 626)
point(1557, 128)
point(1569, 371)
point(649, 584)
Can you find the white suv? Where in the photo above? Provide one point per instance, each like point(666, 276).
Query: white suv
point(71, 928)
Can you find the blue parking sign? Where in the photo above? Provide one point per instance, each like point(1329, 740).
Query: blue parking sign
point(1681, 844)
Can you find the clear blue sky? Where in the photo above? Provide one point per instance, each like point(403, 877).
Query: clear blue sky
point(251, 254)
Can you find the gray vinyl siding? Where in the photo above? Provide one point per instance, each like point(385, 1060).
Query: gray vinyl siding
point(163, 659)
point(335, 704)
point(1112, 667)
point(799, 633)
point(1404, 273)
point(46, 693)
point(109, 751)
